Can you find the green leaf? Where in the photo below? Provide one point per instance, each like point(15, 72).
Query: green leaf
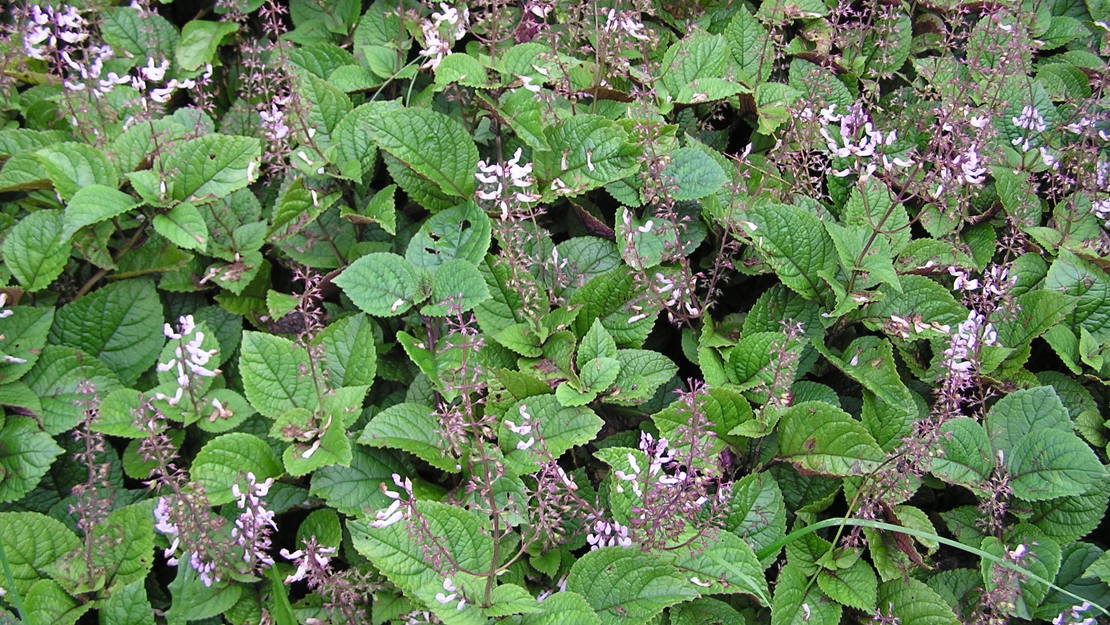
point(383, 284)
point(521, 111)
point(400, 557)
point(1019, 413)
point(381, 209)
point(327, 107)
point(919, 296)
point(36, 249)
point(351, 489)
point(272, 369)
point(461, 232)
point(323, 525)
point(199, 41)
point(432, 144)
point(600, 373)
point(704, 611)
point(120, 324)
point(224, 459)
point(193, 600)
point(699, 55)
point(800, 602)
point(855, 586)
point(183, 225)
point(282, 610)
point(774, 103)
point(33, 542)
point(1072, 275)
point(726, 563)
point(47, 604)
point(93, 204)
point(72, 166)
point(823, 439)
point(350, 353)
point(127, 605)
point(914, 603)
point(869, 360)
point(1050, 464)
point(125, 28)
point(642, 372)
point(210, 167)
point(353, 139)
point(967, 457)
point(876, 265)
point(334, 449)
point(118, 411)
point(563, 428)
point(58, 378)
point(1075, 560)
point(794, 242)
point(695, 174)
point(627, 587)
point(413, 428)
point(757, 512)
point(596, 343)
point(509, 599)
point(24, 335)
point(457, 286)
point(587, 152)
point(1038, 311)
point(751, 47)
point(1068, 519)
point(22, 172)
point(460, 68)
point(570, 397)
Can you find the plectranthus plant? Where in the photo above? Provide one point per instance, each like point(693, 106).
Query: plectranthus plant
point(548, 312)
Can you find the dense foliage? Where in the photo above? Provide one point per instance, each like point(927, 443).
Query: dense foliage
point(554, 312)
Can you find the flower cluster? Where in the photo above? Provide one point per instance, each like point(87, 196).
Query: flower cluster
point(189, 359)
point(393, 513)
point(524, 429)
point(450, 594)
point(46, 26)
point(970, 335)
point(1101, 210)
point(441, 32)
point(608, 534)
point(312, 561)
point(273, 119)
point(252, 528)
point(860, 141)
point(1031, 121)
point(506, 183)
point(1075, 616)
point(626, 22)
point(998, 600)
point(166, 512)
point(672, 492)
point(4, 314)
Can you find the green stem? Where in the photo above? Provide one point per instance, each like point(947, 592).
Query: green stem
point(879, 525)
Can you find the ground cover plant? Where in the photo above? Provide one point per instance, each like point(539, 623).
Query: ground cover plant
point(552, 312)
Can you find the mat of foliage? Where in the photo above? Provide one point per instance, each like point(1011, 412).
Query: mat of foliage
point(550, 312)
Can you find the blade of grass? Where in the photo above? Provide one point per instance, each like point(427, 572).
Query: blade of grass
point(283, 610)
point(9, 583)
